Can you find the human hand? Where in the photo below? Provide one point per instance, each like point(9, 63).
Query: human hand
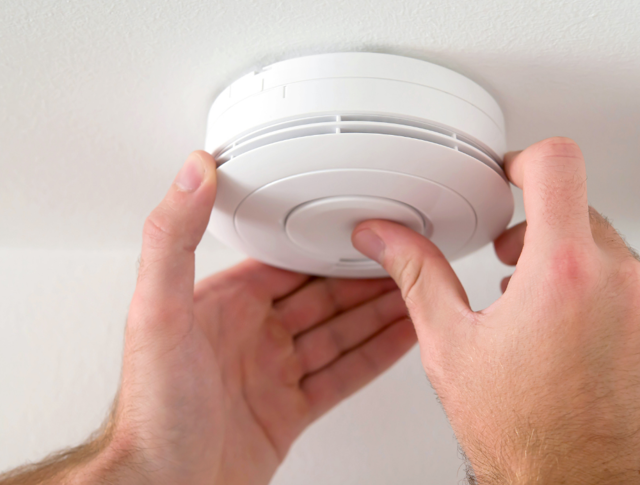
point(544, 385)
point(218, 381)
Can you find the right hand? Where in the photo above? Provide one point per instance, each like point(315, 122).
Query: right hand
point(544, 385)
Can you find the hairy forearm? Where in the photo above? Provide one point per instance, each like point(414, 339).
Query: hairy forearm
point(95, 462)
point(573, 475)
point(59, 468)
point(570, 462)
point(99, 460)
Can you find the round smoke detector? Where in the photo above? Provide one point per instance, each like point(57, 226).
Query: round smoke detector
point(309, 147)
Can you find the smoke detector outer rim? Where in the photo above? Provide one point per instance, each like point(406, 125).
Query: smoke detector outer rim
point(355, 82)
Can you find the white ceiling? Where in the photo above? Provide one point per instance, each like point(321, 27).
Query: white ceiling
point(100, 101)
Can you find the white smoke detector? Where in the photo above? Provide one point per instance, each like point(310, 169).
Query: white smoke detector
point(308, 148)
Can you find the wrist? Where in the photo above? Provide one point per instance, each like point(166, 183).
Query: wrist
point(124, 461)
point(111, 462)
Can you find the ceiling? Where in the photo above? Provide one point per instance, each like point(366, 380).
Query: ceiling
point(100, 101)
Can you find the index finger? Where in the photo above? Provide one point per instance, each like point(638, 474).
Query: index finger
point(553, 178)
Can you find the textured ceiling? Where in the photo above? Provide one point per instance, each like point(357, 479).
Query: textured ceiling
point(100, 101)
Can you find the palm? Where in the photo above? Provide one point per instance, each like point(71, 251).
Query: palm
point(287, 349)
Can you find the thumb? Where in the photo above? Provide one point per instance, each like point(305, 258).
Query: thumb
point(429, 286)
point(164, 291)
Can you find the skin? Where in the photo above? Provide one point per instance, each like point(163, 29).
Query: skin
point(218, 380)
point(544, 385)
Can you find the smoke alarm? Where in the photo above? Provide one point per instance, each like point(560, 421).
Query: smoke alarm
point(309, 147)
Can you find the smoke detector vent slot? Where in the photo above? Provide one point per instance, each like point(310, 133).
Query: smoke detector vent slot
point(336, 124)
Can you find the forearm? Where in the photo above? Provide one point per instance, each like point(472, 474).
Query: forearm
point(100, 460)
point(569, 460)
point(57, 468)
point(95, 462)
point(575, 474)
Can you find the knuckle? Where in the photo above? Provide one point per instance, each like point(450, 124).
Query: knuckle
point(157, 229)
point(559, 146)
point(558, 175)
point(157, 236)
point(573, 267)
point(563, 157)
point(411, 271)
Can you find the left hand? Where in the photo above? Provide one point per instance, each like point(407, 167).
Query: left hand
point(220, 379)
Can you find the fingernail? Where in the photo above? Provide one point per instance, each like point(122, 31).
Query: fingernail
point(368, 243)
point(191, 174)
